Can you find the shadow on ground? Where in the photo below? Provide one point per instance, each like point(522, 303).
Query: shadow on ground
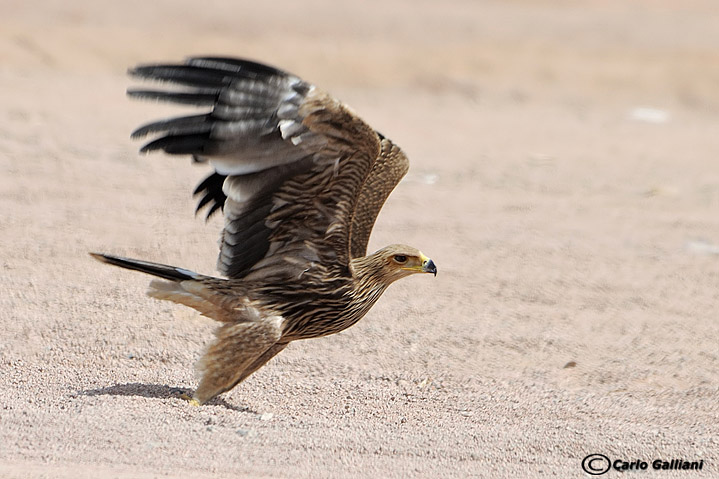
point(156, 391)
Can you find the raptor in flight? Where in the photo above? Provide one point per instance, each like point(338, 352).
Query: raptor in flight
point(300, 179)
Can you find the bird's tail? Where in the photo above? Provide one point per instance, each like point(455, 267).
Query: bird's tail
point(183, 286)
point(164, 271)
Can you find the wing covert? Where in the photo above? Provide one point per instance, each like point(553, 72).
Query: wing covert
point(289, 161)
point(387, 171)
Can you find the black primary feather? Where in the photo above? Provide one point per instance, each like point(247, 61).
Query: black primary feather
point(196, 97)
point(164, 271)
point(183, 125)
point(210, 192)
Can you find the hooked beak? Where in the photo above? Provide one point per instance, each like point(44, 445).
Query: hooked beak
point(428, 266)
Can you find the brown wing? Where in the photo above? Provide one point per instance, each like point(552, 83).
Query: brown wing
point(289, 161)
point(387, 171)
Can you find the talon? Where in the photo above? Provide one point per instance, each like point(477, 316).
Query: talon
point(191, 401)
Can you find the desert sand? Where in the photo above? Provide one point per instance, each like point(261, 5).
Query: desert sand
point(564, 178)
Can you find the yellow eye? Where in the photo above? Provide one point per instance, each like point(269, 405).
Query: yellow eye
point(400, 258)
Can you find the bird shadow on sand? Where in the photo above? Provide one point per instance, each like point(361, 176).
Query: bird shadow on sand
point(156, 391)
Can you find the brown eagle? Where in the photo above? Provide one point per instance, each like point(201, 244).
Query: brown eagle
point(300, 179)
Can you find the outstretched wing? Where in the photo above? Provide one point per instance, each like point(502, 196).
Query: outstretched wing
point(290, 162)
point(387, 171)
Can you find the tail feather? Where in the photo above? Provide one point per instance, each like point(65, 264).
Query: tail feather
point(184, 286)
point(198, 297)
point(164, 271)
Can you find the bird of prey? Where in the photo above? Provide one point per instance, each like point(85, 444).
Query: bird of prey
point(300, 179)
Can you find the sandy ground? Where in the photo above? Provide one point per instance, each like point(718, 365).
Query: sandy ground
point(565, 179)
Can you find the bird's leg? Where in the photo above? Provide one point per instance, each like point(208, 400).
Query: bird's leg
point(261, 361)
point(184, 394)
point(192, 401)
point(209, 389)
point(239, 350)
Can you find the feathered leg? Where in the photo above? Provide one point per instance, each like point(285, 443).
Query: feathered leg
point(239, 350)
point(261, 361)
